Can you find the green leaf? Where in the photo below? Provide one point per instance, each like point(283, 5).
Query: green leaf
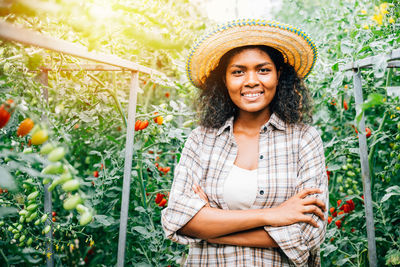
point(6, 180)
point(104, 220)
point(374, 99)
point(391, 191)
point(6, 211)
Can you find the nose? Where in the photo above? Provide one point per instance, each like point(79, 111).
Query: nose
point(252, 79)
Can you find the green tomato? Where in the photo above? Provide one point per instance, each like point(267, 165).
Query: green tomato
point(33, 216)
point(29, 242)
point(43, 218)
point(37, 222)
point(70, 186)
point(47, 229)
point(86, 218)
point(32, 207)
point(55, 168)
point(340, 179)
point(33, 195)
point(350, 173)
point(19, 227)
point(57, 154)
point(1, 223)
point(23, 213)
point(350, 192)
point(71, 202)
point(16, 236)
point(27, 150)
point(46, 149)
point(46, 181)
point(344, 167)
point(22, 238)
point(22, 219)
point(81, 209)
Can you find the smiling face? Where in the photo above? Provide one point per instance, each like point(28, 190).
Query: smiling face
point(251, 79)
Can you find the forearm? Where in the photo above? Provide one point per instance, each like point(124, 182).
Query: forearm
point(212, 222)
point(251, 238)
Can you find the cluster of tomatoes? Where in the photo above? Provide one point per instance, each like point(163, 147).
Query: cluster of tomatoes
point(141, 125)
point(160, 200)
point(55, 157)
point(162, 170)
point(340, 212)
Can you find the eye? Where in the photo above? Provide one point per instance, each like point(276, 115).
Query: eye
point(264, 70)
point(237, 72)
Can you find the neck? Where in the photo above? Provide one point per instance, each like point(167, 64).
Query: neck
point(251, 122)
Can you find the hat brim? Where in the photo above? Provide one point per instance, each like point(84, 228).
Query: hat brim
point(296, 47)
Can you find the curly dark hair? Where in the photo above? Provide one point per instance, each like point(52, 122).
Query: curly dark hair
point(292, 101)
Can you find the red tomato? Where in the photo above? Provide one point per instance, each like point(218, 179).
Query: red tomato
point(368, 132)
point(351, 204)
point(25, 127)
point(53, 219)
point(167, 94)
point(338, 224)
point(329, 219)
point(339, 202)
point(332, 210)
point(346, 208)
point(53, 213)
point(334, 214)
point(137, 124)
point(159, 197)
point(144, 124)
point(6, 109)
point(163, 202)
point(341, 212)
point(345, 105)
point(96, 174)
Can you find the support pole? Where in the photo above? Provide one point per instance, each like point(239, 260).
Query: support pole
point(366, 179)
point(130, 134)
point(44, 80)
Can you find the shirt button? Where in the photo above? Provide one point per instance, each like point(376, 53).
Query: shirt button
point(261, 156)
point(261, 192)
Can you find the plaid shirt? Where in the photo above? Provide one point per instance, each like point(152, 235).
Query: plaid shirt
point(291, 158)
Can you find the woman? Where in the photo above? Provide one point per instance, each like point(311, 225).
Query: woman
point(250, 188)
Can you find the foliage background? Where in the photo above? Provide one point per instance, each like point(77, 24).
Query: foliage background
point(85, 114)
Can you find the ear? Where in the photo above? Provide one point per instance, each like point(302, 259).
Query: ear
point(279, 74)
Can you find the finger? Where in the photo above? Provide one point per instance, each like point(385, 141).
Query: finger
point(203, 195)
point(309, 220)
point(314, 201)
point(308, 191)
point(316, 210)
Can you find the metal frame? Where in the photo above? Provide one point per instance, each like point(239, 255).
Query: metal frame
point(393, 59)
point(10, 32)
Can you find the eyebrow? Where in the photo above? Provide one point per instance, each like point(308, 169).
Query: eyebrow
point(243, 67)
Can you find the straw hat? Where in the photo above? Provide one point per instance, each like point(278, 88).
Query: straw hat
point(296, 46)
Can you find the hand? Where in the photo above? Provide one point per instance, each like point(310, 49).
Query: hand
point(295, 209)
point(197, 189)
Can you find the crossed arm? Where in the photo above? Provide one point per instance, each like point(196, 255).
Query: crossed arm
point(245, 227)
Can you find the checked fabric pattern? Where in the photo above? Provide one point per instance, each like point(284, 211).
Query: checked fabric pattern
point(291, 158)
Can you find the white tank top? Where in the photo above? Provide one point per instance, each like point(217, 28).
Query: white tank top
point(240, 188)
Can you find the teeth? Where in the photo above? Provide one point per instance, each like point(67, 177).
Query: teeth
point(252, 95)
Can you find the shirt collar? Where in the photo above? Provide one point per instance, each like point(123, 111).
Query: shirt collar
point(277, 122)
point(274, 120)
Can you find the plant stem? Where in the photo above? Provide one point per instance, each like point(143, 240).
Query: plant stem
point(142, 188)
point(4, 256)
point(114, 96)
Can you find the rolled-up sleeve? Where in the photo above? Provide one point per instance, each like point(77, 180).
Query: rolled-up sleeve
point(183, 202)
point(301, 241)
